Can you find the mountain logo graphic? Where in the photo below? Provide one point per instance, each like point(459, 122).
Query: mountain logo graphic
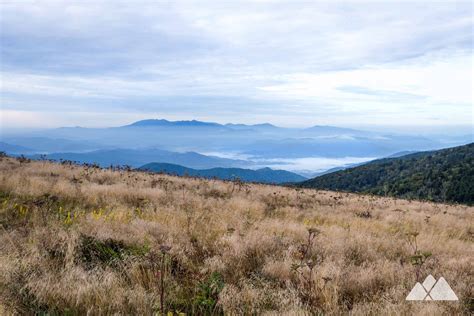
point(432, 290)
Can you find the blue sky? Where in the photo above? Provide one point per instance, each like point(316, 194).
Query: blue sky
point(359, 64)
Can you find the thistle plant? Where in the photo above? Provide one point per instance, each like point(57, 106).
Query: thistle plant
point(418, 257)
point(307, 260)
point(305, 249)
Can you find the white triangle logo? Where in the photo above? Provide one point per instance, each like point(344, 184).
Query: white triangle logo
point(442, 291)
point(418, 293)
point(432, 290)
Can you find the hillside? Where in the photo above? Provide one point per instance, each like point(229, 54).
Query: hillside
point(443, 176)
point(264, 175)
point(81, 240)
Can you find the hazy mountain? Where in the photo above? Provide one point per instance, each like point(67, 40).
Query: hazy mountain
point(336, 146)
point(257, 143)
point(14, 149)
point(157, 122)
point(50, 145)
point(443, 175)
point(261, 128)
point(332, 130)
point(194, 123)
point(139, 157)
point(264, 175)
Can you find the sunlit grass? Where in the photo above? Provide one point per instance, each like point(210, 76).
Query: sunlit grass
point(84, 240)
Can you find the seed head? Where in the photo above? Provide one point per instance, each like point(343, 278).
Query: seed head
point(165, 249)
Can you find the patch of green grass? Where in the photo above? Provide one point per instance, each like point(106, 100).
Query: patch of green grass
point(107, 252)
point(208, 294)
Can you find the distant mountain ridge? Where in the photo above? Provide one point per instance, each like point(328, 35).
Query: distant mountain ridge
point(264, 175)
point(445, 175)
point(196, 123)
point(139, 157)
point(14, 149)
point(258, 141)
point(299, 149)
point(163, 122)
point(33, 144)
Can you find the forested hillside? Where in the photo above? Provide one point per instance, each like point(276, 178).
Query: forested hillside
point(442, 176)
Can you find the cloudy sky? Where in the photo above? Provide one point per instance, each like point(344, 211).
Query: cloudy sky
point(359, 64)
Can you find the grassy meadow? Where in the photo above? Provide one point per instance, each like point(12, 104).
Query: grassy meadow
point(78, 240)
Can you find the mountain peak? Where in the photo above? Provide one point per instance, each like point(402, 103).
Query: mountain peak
point(151, 122)
point(163, 122)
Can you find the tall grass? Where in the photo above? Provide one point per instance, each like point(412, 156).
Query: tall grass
point(83, 240)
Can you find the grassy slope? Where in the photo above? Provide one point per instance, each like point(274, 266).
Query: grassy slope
point(442, 176)
point(81, 240)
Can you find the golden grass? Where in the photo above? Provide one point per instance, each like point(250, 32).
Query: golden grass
point(90, 241)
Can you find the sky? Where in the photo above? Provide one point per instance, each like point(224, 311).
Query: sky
point(403, 65)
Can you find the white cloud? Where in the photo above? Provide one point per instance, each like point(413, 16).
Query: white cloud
point(313, 164)
point(448, 81)
point(326, 62)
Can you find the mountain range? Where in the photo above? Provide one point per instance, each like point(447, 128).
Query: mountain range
point(205, 145)
point(260, 140)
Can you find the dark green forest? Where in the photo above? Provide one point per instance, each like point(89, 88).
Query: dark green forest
point(445, 175)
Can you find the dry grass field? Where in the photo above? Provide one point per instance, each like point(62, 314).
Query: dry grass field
point(81, 240)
